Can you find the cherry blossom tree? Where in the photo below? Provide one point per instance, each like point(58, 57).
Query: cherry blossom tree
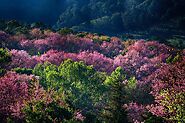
point(22, 59)
point(13, 92)
point(168, 88)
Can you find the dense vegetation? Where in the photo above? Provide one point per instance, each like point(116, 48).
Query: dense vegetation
point(71, 77)
point(111, 16)
point(123, 15)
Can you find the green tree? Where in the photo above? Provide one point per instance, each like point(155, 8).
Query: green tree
point(23, 71)
point(82, 85)
point(5, 58)
point(114, 112)
point(48, 74)
point(41, 112)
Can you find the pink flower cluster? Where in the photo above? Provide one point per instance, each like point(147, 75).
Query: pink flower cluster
point(135, 112)
point(143, 58)
point(39, 41)
point(170, 77)
point(23, 60)
point(13, 93)
point(79, 116)
point(168, 88)
point(69, 43)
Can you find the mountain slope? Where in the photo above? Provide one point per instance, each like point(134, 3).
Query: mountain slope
point(121, 15)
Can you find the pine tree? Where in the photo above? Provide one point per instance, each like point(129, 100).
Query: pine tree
point(114, 112)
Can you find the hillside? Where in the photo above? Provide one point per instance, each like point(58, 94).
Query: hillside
point(81, 77)
point(92, 61)
point(105, 16)
point(123, 15)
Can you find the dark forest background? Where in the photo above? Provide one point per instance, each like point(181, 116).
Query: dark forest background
point(106, 16)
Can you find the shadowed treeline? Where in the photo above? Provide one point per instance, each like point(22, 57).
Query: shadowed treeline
point(46, 11)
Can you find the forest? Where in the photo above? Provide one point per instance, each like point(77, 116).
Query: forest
point(93, 61)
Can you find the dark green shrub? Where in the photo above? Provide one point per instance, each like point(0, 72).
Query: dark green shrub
point(153, 119)
point(23, 71)
point(5, 58)
point(65, 31)
point(41, 112)
point(173, 59)
point(177, 43)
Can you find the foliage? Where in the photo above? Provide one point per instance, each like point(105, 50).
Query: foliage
point(65, 31)
point(99, 61)
point(81, 84)
point(44, 105)
point(173, 59)
point(135, 112)
point(153, 119)
point(13, 92)
point(5, 58)
point(105, 80)
point(114, 111)
point(23, 71)
point(49, 76)
point(38, 25)
point(3, 37)
point(143, 58)
point(39, 111)
point(22, 59)
point(14, 27)
point(120, 15)
point(168, 90)
point(177, 43)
